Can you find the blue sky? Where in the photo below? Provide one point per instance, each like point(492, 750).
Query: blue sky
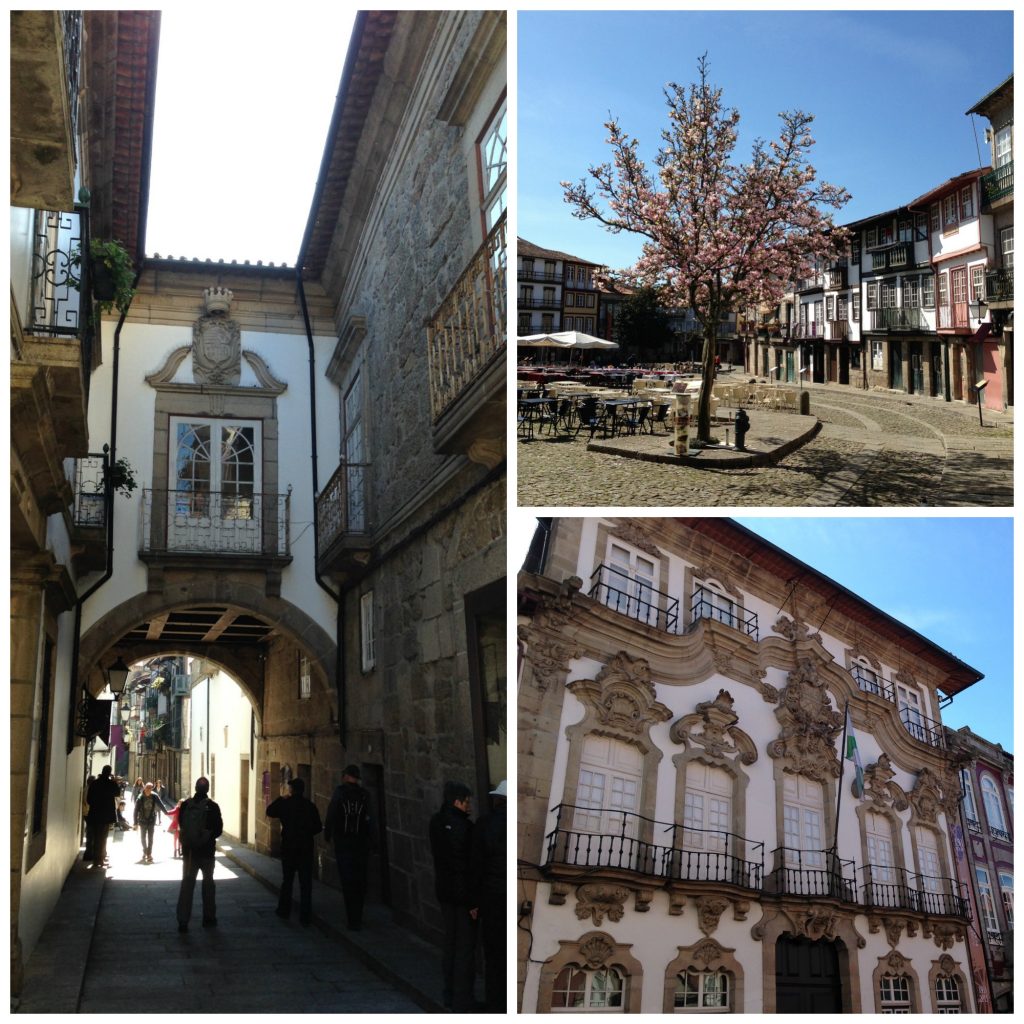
point(949, 578)
point(888, 90)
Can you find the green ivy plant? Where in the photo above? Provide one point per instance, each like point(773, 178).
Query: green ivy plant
point(115, 258)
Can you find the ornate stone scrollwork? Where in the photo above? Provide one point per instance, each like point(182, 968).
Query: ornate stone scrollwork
point(709, 911)
point(879, 787)
point(549, 657)
point(713, 727)
point(794, 629)
point(926, 797)
point(895, 962)
point(893, 930)
point(631, 533)
point(809, 725)
point(816, 923)
point(622, 697)
point(706, 952)
point(600, 901)
point(947, 964)
point(704, 572)
point(946, 934)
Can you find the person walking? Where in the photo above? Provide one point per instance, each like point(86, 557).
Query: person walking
point(148, 814)
point(300, 825)
point(161, 794)
point(489, 866)
point(172, 817)
point(200, 823)
point(348, 826)
point(102, 796)
point(451, 842)
point(137, 789)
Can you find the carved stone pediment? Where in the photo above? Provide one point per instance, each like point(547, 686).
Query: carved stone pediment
point(946, 934)
point(816, 923)
point(631, 533)
point(713, 727)
point(794, 629)
point(895, 962)
point(707, 952)
point(926, 797)
point(879, 787)
point(216, 350)
point(599, 901)
point(548, 656)
point(947, 964)
point(809, 725)
point(703, 572)
point(858, 651)
point(622, 697)
point(596, 949)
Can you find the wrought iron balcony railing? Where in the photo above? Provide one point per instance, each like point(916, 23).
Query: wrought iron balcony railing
point(814, 873)
point(468, 330)
point(999, 833)
point(90, 508)
point(999, 285)
point(342, 507)
point(922, 728)
point(707, 604)
point(974, 826)
point(544, 302)
point(812, 329)
point(215, 522)
point(898, 319)
point(998, 183)
point(870, 681)
point(634, 597)
point(892, 888)
point(59, 276)
point(594, 838)
point(529, 274)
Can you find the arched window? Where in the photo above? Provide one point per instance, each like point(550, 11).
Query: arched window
point(947, 994)
point(993, 805)
point(607, 800)
point(894, 993)
point(970, 808)
point(803, 823)
point(710, 601)
point(866, 677)
point(578, 988)
point(1006, 888)
point(881, 862)
point(702, 991)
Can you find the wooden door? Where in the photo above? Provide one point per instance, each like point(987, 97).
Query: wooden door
point(807, 976)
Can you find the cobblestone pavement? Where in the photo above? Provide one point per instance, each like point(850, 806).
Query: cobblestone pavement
point(874, 449)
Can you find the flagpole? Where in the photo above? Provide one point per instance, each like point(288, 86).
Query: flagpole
point(839, 796)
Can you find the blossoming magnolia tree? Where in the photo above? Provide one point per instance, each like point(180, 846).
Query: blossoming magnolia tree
point(718, 236)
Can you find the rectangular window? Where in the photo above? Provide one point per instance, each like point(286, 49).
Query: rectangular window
point(889, 294)
point(944, 289)
point(921, 227)
point(1006, 888)
point(977, 282)
point(830, 307)
point(493, 156)
point(987, 901)
point(911, 293)
point(950, 211)
point(870, 237)
point(856, 306)
point(876, 355)
point(842, 308)
point(966, 202)
point(1003, 146)
point(934, 212)
point(895, 994)
point(855, 253)
point(928, 291)
point(872, 295)
point(905, 232)
point(367, 645)
point(305, 682)
point(1006, 246)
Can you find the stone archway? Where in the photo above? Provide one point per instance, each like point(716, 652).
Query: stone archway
point(108, 633)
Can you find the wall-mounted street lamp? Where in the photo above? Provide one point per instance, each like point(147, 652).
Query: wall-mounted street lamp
point(117, 677)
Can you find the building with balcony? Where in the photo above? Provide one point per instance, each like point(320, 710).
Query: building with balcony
point(986, 831)
point(79, 128)
point(539, 281)
point(997, 200)
point(409, 254)
point(690, 836)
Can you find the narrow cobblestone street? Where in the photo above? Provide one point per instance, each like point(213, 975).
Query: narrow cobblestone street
point(113, 947)
point(874, 449)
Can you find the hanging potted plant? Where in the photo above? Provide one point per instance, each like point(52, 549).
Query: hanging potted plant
point(121, 477)
point(111, 275)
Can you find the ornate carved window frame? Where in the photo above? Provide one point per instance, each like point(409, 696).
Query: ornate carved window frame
point(705, 955)
point(947, 966)
point(591, 951)
point(619, 703)
point(894, 964)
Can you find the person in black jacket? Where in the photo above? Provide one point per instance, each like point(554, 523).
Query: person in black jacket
point(200, 823)
point(348, 825)
point(451, 842)
point(489, 866)
point(300, 824)
point(102, 797)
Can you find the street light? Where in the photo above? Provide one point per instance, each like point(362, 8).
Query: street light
point(117, 677)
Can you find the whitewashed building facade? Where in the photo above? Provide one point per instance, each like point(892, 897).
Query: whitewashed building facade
point(682, 695)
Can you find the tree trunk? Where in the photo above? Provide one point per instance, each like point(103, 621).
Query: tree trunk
point(708, 380)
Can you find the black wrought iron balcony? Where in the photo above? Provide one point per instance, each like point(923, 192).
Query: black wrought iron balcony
point(90, 508)
point(539, 302)
point(526, 273)
point(342, 507)
point(898, 319)
point(590, 837)
point(59, 274)
point(467, 333)
point(998, 183)
point(999, 285)
point(635, 598)
point(815, 873)
point(870, 681)
point(707, 604)
point(999, 833)
point(891, 888)
point(215, 523)
point(924, 729)
point(974, 826)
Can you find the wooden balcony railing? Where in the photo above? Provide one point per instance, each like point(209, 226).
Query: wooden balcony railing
point(998, 183)
point(898, 319)
point(468, 330)
point(954, 316)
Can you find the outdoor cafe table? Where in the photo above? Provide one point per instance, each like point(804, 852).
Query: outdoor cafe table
point(613, 405)
point(534, 407)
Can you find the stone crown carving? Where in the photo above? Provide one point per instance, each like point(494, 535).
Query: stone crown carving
point(713, 727)
point(217, 300)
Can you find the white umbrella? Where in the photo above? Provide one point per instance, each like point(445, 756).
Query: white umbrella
point(544, 341)
point(568, 339)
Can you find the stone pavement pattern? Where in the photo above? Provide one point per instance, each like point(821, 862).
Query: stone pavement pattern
point(113, 947)
point(874, 449)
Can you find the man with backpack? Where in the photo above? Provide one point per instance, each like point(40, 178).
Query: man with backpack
point(348, 824)
point(199, 825)
point(147, 815)
point(300, 824)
